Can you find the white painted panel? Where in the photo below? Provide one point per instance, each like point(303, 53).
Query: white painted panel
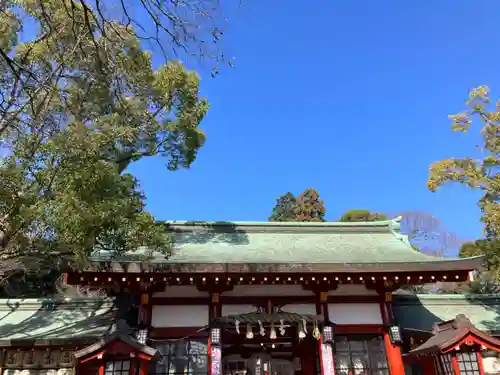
point(237, 309)
point(180, 291)
point(302, 309)
point(352, 290)
point(355, 313)
point(491, 365)
point(179, 316)
point(268, 290)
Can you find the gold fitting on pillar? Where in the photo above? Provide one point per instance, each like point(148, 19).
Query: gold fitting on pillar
point(144, 299)
point(215, 297)
point(388, 296)
point(323, 296)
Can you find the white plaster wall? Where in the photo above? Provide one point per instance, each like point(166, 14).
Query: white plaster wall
point(355, 313)
point(352, 290)
point(179, 316)
point(268, 290)
point(491, 365)
point(302, 309)
point(180, 291)
point(237, 309)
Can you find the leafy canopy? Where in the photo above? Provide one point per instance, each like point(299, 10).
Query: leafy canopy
point(480, 173)
point(72, 119)
point(306, 207)
point(358, 215)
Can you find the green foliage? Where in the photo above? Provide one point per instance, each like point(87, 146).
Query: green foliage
point(284, 209)
point(490, 248)
point(72, 124)
point(487, 280)
point(479, 173)
point(359, 215)
point(306, 207)
point(193, 30)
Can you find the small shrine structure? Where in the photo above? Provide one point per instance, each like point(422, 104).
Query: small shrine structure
point(456, 347)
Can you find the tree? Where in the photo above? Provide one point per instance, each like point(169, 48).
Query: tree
point(358, 215)
point(306, 207)
point(427, 233)
point(175, 27)
point(486, 280)
point(75, 120)
point(490, 248)
point(481, 173)
point(191, 29)
point(285, 208)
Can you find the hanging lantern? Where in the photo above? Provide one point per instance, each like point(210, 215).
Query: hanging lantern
point(249, 334)
point(215, 334)
point(328, 333)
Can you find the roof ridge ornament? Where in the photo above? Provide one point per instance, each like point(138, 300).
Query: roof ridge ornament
point(395, 228)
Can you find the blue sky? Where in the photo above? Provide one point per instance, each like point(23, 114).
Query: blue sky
point(348, 97)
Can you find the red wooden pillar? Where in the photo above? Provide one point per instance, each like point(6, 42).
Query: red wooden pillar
point(214, 351)
point(143, 367)
point(139, 365)
point(454, 364)
point(307, 359)
point(394, 356)
point(480, 362)
point(429, 366)
point(325, 349)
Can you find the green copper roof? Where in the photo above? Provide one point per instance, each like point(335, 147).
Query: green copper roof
point(346, 245)
point(49, 319)
point(271, 242)
point(422, 311)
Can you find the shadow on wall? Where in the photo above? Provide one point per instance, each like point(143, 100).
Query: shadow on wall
point(37, 319)
point(490, 303)
point(202, 232)
point(411, 314)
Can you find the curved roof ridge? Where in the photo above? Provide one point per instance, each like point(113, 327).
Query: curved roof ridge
point(391, 224)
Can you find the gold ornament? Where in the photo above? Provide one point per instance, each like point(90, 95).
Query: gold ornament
point(316, 333)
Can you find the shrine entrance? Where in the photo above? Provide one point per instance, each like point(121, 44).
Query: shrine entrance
point(280, 343)
point(261, 363)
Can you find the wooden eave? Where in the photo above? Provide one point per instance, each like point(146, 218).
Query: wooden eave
point(104, 276)
point(92, 351)
point(153, 266)
point(453, 336)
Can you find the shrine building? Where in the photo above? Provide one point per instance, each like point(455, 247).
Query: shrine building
point(260, 298)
